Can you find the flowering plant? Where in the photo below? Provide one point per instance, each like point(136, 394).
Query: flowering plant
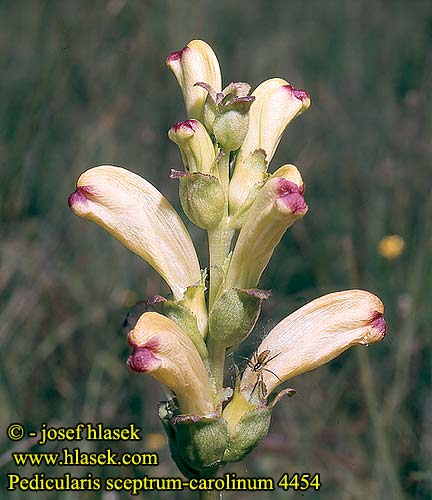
point(226, 144)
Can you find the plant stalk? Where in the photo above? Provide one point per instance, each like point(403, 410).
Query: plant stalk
point(219, 246)
point(210, 495)
point(217, 362)
point(220, 238)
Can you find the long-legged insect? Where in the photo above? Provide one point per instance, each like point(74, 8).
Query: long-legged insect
point(258, 364)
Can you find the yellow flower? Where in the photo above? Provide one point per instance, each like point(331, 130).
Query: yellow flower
point(139, 216)
point(166, 352)
point(315, 334)
point(391, 247)
point(196, 148)
point(276, 104)
point(306, 339)
point(278, 205)
point(195, 63)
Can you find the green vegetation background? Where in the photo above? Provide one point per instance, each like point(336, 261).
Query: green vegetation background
point(84, 83)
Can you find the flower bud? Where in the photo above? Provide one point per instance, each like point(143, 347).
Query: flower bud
point(137, 214)
point(234, 315)
point(196, 147)
point(163, 350)
point(202, 442)
point(278, 205)
point(276, 104)
point(314, 335)
point(231, 125)
point(202, 199)
point(226, 114)
point(195, 63)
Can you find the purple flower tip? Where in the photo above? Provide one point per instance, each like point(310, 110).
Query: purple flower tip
point(143, 360)
point(177, 55)
point(188, 125)
point(78, 198)
point(291, 196)
point(302, 95)
point(378, 323)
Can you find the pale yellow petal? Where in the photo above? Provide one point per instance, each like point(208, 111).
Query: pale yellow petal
point(276, 104)
point(163, 350)
point(139, 216)
point(195, 63)
point(278, 205)
point(196, 147)
point(317, 333)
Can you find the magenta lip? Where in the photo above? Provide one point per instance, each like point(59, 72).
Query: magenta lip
point(378, 323)
point(176, 55)
point(142, 360)
point(190, 125)
point(291, 195)
point(302, 95)
point(77, 197)
point(80, 195)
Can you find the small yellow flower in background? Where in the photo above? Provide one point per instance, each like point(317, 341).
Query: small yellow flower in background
point(391, 247)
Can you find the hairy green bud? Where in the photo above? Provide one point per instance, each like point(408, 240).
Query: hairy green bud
point(234, 315)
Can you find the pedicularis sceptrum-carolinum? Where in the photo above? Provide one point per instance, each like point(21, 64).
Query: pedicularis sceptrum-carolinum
point(226, 144)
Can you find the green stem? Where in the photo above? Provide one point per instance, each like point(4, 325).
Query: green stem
point(210, 495)
point(217, 362)
point(223, 170)
point(220, 238)
point(219, 246)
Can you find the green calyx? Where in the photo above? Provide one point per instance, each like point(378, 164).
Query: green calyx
point(197, 444)
point(226, 114)
point(202, 199)
point(248, 417)
point(250, 431)
point(234, 315)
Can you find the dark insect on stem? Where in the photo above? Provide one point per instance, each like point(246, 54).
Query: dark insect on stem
point(258, 364)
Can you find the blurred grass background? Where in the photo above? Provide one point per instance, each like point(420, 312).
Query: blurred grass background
point(85, 83)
